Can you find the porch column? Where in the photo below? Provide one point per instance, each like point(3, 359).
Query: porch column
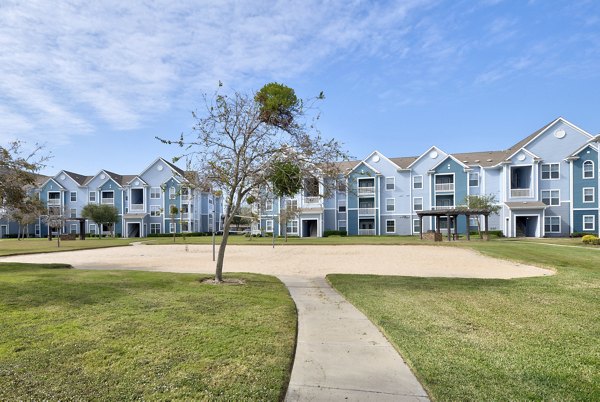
point(81, 229)
point(485, 222)
point(448, 226)
point(421, 226)
point(468, 227)
point(455, 220)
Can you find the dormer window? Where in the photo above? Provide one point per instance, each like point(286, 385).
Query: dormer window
point(588, 170)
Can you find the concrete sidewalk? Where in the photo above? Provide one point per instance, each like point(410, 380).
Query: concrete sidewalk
point(340, 354)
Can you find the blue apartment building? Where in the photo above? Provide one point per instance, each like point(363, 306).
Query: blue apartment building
point(143, 201)
point(546, 185)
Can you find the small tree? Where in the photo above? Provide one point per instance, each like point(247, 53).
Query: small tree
point(103, 214)
point(55, 219)
point(238, 138)
point(173, 211)
point(26, 213)
point(487, 202)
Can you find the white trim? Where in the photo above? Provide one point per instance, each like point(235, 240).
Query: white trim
point(549, 164)
point(71, 196)
point(172, 227)
point(413, 225)
point(393, 183)
point(344, 225)
point(571, 194)
point(445, 159)
point(522, 149)
point(413, 203)
point(413, 182)
point(267, 223)
point(469, 179)
point(559, 224)
point(386, 225)
point(593, 222)
point(433, 148)
point(155, 224)
point(550, 197)
point(593, 195)
point(587, 162)
point(367, 165)
point(383, 156)
point(159, 193)
point(393, 205)
point(156, 210)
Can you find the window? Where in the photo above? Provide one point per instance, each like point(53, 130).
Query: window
point(588, 170)
point(589, 222)
point(108, 197)
point(588, 194)
point(473, 221)
point(342, 225)
point(341, 205)
point(37, 230)
point(418, 203)
point(73, 228)
point(551, 197)
point(552, 224)
point(390, 226)
point(291, 205)
point(418, 182)
point(269, 205)
point(155, 210)
point(390, 183)
point(292, 226)
point(73, 196)
point(92, 196)
point(210, 223)
point(172, 227)
point(92, 228)
point(341, 186)
point(172, 193)
point(416, 225)
point(474, 179)
point(73, 213)
point(155, 193)
point(550, 171)
point(154, 228)
point(269, 226)
point(390, 204)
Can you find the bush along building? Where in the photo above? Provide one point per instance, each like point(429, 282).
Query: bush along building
point(143, 202)
point(545, 185)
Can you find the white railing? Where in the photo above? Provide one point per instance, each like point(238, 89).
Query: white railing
point(442, 207)
point(366, 190)
point(366, 232)
point(53, 202)
point(108, 201)
point(312, 200)
point(366, 211)
point(185, 197)
point(185, 215)
point(444, 187)
point(137, 207)
point(520, 192)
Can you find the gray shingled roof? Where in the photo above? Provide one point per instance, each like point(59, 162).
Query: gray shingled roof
point(79, 178)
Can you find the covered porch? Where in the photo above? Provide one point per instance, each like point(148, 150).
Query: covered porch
point(451, 216)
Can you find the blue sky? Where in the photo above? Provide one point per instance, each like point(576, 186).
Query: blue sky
point(97, 81)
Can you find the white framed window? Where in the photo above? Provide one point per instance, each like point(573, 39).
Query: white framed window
point(341, 186)
point(588, 194)
point(550, 171)
point(92, 196)
point(269, 226)
point(416, 225)
point(418, 203)
point(73, 228)
point(92, 228)
point(291, 204)
point(390, 183)
point(155, 210)
point(551, 197)
point(172, 227)
point(588, 170)
point(474, 179)
point(172, 193)
point(390, 204)
point(589, 222)
point(390, 226)
point(292, 226)
point(108, 197)
point(342, 224)
point(210, 223)
point(155, 193)
point(73, 213)
point(268, 205)
point(473, 221)
point(341, 205)
point(417, 181)
point(37, 229)
point(154, 228)
point(73, 196)
point(552, 224)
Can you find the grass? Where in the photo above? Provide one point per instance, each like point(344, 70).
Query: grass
point(115, 335)
point(477, 339)
point(36, 245)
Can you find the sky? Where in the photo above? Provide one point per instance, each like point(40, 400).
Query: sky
point(96, 82)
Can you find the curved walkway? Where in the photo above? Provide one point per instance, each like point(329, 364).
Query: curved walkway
point(340, 354)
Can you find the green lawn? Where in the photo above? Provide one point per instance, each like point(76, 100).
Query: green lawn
point(475, 339)
point(113, 335)
point(33, 245)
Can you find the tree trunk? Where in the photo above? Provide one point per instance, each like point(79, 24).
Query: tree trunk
point(221, 254)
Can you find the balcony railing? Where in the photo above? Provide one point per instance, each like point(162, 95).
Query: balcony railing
point(136, 207)
point(366, 190)
point(312, 200)
point(441, 187)
point(367, 232)
point(366, 211)
point(185, 197)
point(442, 207)
point(520, 192)
point(108, 201)
point(185, 215)
point(53, 202)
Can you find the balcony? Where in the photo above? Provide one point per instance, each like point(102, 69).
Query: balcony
point(367, 232)
point(366, 211)
point(311, 200)
point(185, 215)
point(53, 202)
point(442, 207)
point(520, 192)
point(366, 191)
point(136, 207)
point(110, 201)
point(444, 187)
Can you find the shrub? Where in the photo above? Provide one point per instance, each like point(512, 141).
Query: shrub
point(328, 233)
point(589, 239)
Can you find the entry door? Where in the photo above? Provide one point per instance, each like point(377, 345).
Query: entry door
point(3, 231)
point(133, 230)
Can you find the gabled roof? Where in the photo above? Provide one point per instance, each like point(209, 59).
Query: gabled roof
point(130, 178)
point(483, 159)
point(347, 165)
point(383, 156)
point(589, 144)
point(433, 148)
point(444, 160)
point(523, 149)
point(404, 162)
point(171, 166)
point(49, 179)
point(367, 165)
point(77, 178)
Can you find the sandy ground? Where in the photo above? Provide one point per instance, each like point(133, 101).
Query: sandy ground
point(306, 261)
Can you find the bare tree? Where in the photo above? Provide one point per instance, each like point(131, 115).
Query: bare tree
point(18, 169)
point(26, 213)
point(237, 139)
